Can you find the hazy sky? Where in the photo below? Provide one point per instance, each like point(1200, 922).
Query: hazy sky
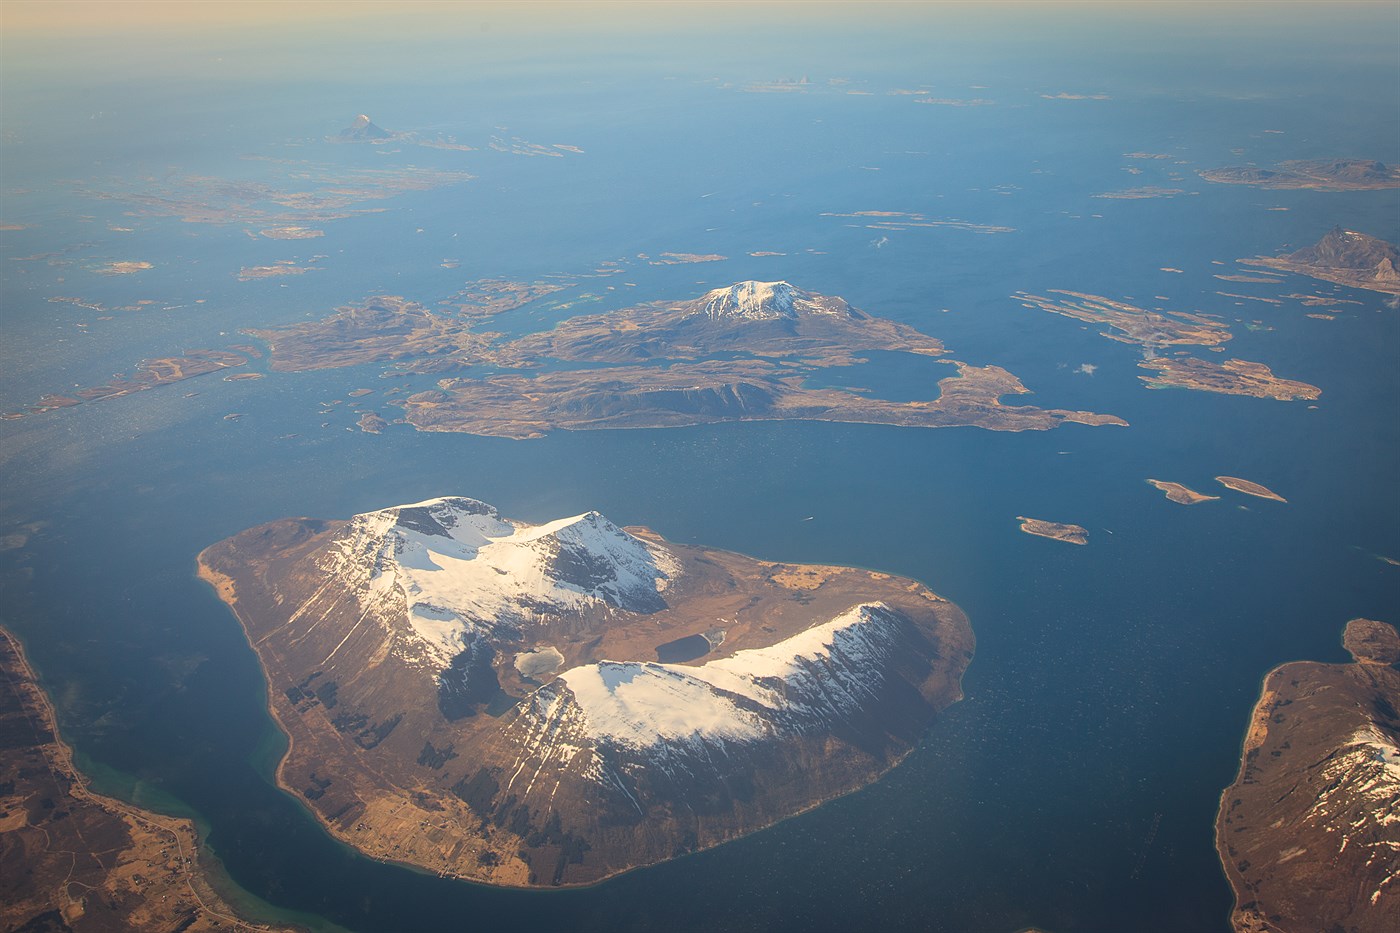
point(66, 42)
point(86, 16)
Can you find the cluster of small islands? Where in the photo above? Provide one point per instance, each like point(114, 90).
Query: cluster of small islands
point(742, 353)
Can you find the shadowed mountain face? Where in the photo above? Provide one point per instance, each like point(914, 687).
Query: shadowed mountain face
point(1346, 249)
point(494, 684)
point(1343, 256)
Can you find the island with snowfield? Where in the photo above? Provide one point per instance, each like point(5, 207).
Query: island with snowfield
point(551, 704)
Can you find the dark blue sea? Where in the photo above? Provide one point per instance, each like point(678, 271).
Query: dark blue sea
point(1075, 787)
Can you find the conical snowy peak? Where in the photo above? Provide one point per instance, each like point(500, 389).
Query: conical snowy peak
point(590, 554)
point(760, 301)
point(766, 301)
point(755, 301)
point(362, 128)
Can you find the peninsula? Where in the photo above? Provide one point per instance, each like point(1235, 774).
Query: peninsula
point(380, 329)
point(149, 374)
point(1308, 831)
point(553, 704)
point(74, 860)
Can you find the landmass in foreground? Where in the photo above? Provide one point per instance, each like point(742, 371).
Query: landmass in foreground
point(553, 704)
point(1309, 833)
point(74, 860)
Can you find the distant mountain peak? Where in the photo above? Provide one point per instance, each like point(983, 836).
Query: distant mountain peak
point(759, 300)
point(363, 128)
point(765, 301)
point(1340, 248)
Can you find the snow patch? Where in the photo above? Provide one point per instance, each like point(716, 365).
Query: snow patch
point(815, 676)
point(456, 566)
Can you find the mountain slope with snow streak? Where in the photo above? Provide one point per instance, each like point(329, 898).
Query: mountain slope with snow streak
point(812, 678)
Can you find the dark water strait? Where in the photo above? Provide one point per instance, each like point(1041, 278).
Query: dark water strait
point(1075, 786)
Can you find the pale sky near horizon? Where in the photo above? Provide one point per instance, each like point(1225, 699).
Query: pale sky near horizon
point(78, 16)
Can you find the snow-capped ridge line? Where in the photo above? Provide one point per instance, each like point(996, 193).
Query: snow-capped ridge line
point(456, 569)
point(818, 676)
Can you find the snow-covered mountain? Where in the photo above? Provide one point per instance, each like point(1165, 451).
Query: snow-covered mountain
point(766, 301)
point(458, 570)
point(486, 697)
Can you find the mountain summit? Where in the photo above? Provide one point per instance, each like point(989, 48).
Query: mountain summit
point(1347, 249)
point(767, 301)
point(363, 130)
point(1345, 257)
point(449, 573)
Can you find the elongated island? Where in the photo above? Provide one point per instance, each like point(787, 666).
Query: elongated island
point(553, 704)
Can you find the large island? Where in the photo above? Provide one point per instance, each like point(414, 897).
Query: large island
point(553, 704)
point(744, 352)
point(1309, 833)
